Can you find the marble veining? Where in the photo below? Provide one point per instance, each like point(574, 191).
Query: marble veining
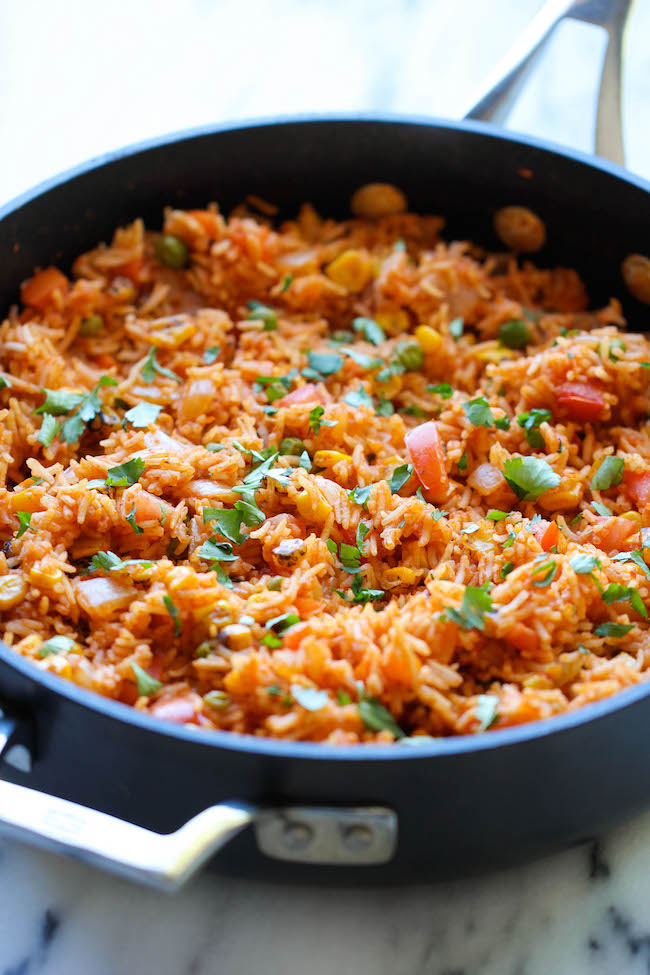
point(583, 911)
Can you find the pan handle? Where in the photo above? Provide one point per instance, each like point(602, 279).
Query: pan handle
point(342, 836)
point(505, 83)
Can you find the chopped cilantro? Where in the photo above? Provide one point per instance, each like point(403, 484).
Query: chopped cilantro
point(58, 402)
point(125, 474)
point(147, 685)
point(251, 514)
point(152, 366)
point(479, 414)
point(369, 328)
point(506, 569)
point(359, 397)
point(462, 463)
point(48, 431)
point(110, 562)
point(601, 509)
point(213, 551)
point(362, 358)
point(550, 571)
point(399, 477)
point(309, 698)
point(172, 609)
point(510, 540)
point(441, 389)
point(263, 313)
point(609, 474)
point(530, 423)
point(584, 564)
point(24, 517)
point(324, 364)
point(487, 711)
point(385, 407)
point(143, 414)
point(529, 477)
point(362, 531)
point(637, 557)
point(497, 515)
point(476, 602)
point(456, 328)
point(378, 718)
point(614, 629)
point(316, 421)
point(56, 644)
point(616, 593)
point(212, 354)
point(133, 523)
point(360, 495)
point(228, 522)
point(286, 283)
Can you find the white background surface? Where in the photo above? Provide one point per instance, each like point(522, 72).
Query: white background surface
point(81, 78)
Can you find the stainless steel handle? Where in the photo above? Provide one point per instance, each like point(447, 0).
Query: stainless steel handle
point(305, 834)
point(503, 86)
point(165, 862)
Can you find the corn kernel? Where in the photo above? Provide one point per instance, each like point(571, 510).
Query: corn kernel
point(28, 500)
point(400, 576)
point(13, 589)
point(352, 270)
point(495, 354)
point(633, 516)
point(311, 508)
point(428, 339)
point(172, 337)
point(236, 636)
point(388, 389)
point(393, 322)
point(328, 458)
point(45, 578)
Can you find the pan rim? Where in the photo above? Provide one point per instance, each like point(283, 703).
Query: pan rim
point(282, 748)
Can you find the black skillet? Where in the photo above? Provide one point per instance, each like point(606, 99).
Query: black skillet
point(354, 814)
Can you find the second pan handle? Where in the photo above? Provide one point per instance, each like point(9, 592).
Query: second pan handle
point(505, 83)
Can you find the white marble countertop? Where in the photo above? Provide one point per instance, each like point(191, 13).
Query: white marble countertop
point(78, 80)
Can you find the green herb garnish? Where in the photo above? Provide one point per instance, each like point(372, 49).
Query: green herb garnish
point(143, 415)
point(476, 603)
point(125, 474)
point(263, 313)
point(369, 328)
point(529, 477)
point(172, 609)
point(147, 685)
point(514, 334)
point(609, 474)
point(530, 423)
point(152, 366)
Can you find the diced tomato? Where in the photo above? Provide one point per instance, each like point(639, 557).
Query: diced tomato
point(583, 402)
point(180, 710)
point(137, 271)
point(546, 532)
point(426, 453)
point(638, 487)
point(292, 638)
point(309, 393)
point(613, 533)
point(40, 290)
point(523, 637)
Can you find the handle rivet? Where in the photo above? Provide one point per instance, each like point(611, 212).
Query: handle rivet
point(358, 837)
point(297, 836)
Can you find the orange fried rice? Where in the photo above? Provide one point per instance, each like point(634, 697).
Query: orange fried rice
point(331, 481)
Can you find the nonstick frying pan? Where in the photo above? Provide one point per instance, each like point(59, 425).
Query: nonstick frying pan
point(171, 796)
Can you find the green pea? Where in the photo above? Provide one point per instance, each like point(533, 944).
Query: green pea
point(217, 699)
point(291, 446)
point(409, 355)
point(91, 325)
point(171, 251)
point(514, 334)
